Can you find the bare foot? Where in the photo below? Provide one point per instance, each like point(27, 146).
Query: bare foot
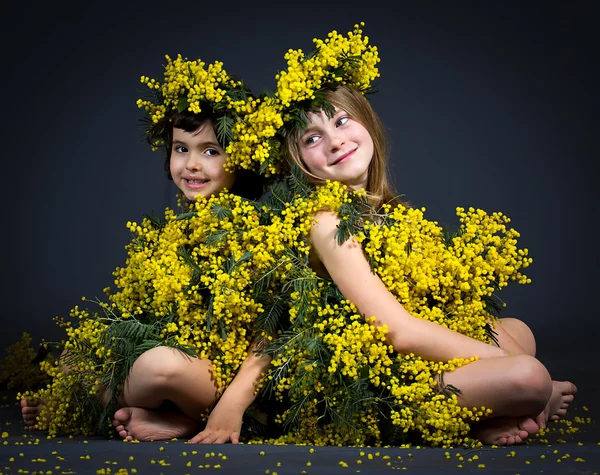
point(147, 425)
point(563, 393)
point(505, 430)
point(30, 409)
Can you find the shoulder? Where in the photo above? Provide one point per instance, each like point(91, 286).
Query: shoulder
point(324, 226)
point(324, 241)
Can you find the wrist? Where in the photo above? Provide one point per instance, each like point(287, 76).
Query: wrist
point(235, 401)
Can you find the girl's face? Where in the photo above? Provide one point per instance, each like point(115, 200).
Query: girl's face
point(337, 148)
point(197, 161)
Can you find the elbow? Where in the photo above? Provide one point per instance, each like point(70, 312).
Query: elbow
point(401, 340)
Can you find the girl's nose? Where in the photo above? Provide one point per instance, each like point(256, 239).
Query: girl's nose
point(336, 141)
point(193, 163)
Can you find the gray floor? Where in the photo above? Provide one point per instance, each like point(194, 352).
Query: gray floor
point(557, 452)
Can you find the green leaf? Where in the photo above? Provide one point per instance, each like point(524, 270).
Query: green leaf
point(270, 320)
point(188, 259)
point(220, 212)
point(155, 221)
point(215, 237)
point(224, 129)
point(182, 104)
point(267, 93)
point(187, 215)
point(298, 182)
point(266, 164)
point(232, 263)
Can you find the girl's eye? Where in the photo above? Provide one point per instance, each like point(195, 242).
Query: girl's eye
point(341, 121)
point(180, 149)
point(213, 152)
point(311, 140)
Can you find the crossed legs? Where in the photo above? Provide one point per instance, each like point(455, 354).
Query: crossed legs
point(518, 388)
point(159, 375)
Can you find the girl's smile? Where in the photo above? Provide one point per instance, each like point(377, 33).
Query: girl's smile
point(337, 148)
point(197, 162)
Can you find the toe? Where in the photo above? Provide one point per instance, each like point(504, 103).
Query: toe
point(528, 426)
point(541, 420)
point(123, 415)
point(568, 398)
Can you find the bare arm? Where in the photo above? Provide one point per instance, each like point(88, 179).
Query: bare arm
point(225, 421)
point(350, 270)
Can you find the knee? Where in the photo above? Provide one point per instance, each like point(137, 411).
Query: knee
point(162, 363)
point(531, 380)
point(521, 333)
point(515, 324)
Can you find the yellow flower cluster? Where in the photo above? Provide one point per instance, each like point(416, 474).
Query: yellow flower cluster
point(187, 86)
point(253, 145)
point(194, 274)
point(201, 269)
point(338, 60)
point(450, 283)
point(248, 123)
point(225, 272)
point(336, 369)
point(73, 391)
point(254, 123)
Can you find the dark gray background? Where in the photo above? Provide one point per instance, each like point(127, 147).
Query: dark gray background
point(488, 104)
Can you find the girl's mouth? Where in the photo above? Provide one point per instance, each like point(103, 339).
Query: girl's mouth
point(343, 158)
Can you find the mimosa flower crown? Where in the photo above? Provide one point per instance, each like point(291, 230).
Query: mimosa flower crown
point(252, 128)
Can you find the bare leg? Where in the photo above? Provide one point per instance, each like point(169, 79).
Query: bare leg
point(512, 332)
point(516, 388)
point(511, 386)
point(158, 375)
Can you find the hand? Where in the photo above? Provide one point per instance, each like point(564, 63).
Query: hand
point(224, 425)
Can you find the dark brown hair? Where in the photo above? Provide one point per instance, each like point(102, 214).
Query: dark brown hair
point(247, 184)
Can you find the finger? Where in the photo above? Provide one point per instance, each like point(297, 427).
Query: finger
point(215, 438)
point(197, 439)
point(209, 440)
point(235, 438)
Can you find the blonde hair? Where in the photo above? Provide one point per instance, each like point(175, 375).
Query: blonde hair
point(379, 188)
